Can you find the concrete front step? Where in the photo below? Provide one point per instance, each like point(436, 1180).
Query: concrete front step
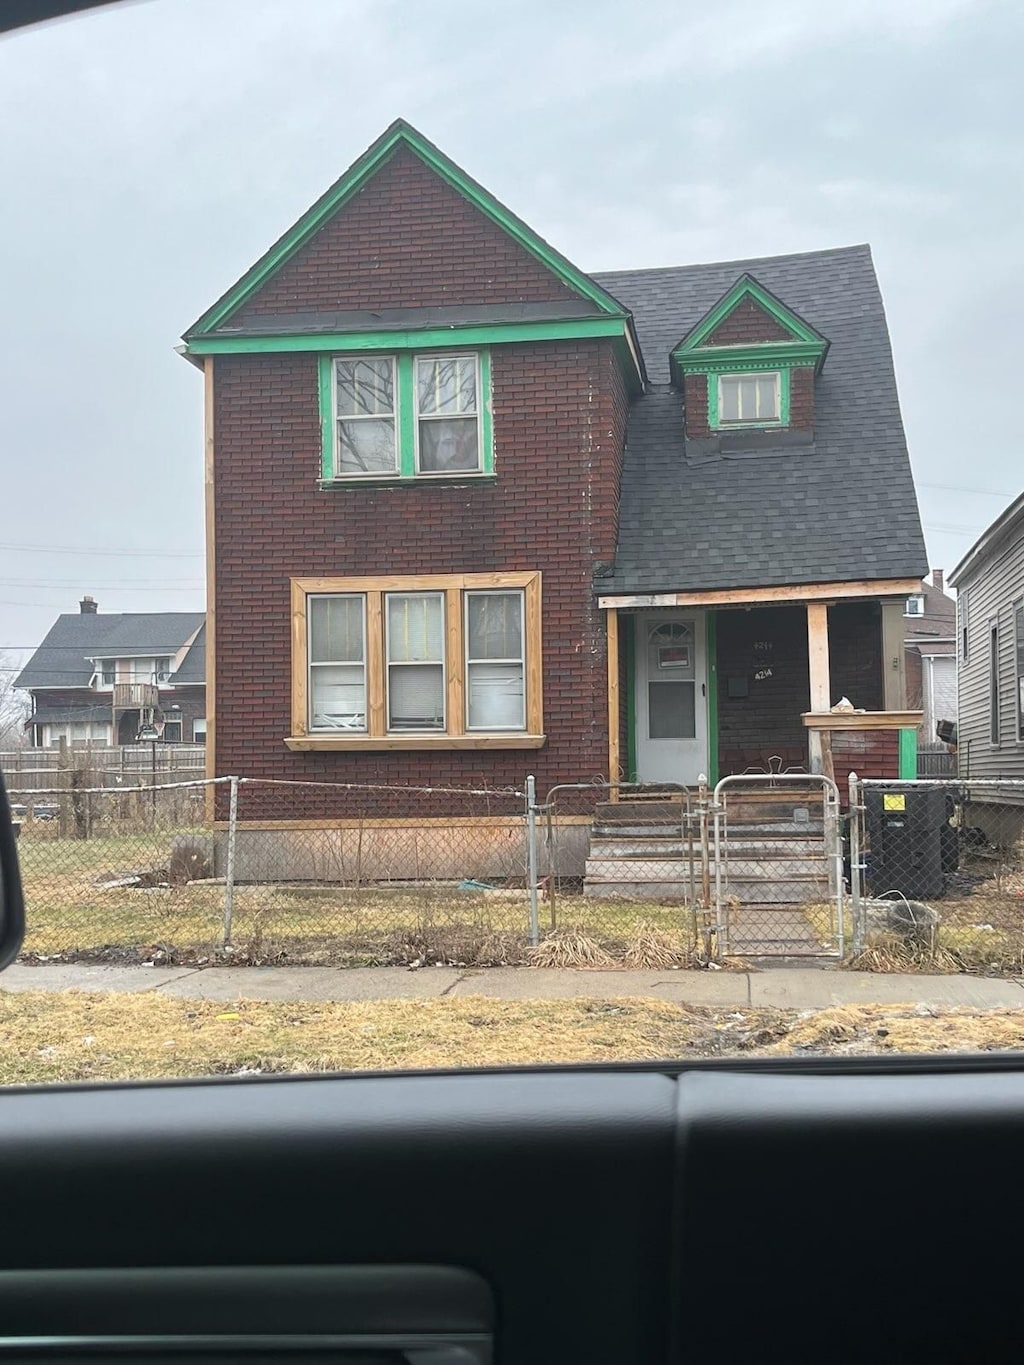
point(735, 870)
point(767, 850)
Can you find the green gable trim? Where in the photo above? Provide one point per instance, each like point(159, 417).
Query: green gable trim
point(435, 339)
point(473, 334)
point(400, 134)
point(768, 355)
point(713, 420)
point(746, 287)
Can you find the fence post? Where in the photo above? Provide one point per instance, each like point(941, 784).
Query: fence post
point(229, 871)
point(531, 857)
point(855, 869)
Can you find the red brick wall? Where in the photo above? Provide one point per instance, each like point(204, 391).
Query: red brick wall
point(748, 322)
point(559, 422)
point(868, 753)
point(801, 398)
point(407, 239)
point(695, 397)
point(768, 720)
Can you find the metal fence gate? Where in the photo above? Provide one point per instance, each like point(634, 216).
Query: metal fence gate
point(777, 866)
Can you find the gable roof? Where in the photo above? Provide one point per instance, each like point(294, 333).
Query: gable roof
point(836, 509)
point(74, 640)
point(990, 541)
point(400, 134)
point(747, 287)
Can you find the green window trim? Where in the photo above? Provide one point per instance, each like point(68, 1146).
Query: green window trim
point(784, 387)
point(405, 391)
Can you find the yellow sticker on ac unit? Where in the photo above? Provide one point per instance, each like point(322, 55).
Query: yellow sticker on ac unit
point(894, 801)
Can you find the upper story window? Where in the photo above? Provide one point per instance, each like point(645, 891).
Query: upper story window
point(365, 407)
point(447, 414)
point(914, 606)
point(751, 398)
point(405, 416)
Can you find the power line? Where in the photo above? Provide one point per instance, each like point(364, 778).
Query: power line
point(89, 550)
point(957, 488)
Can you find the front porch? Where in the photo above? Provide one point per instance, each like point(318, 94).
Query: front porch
point(704, 687)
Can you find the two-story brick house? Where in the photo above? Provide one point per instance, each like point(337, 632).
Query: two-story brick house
point(473, 513)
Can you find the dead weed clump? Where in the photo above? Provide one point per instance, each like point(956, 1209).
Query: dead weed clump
point(570, 948)
point(651, 948)
point(890, 953)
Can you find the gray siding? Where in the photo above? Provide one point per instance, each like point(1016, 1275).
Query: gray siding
point(991, 590)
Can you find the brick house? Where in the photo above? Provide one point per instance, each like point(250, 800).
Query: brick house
point(473, 513)
point(98, 677)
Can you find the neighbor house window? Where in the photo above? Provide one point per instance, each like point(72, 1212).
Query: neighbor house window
point(365, 406)
point(443, 660)
point(1018, 631)
point(108, 672)
point(993, 683)
point(751, 398)
point(405, 416)
point(961, 606)
point(914, 606)
point(199, 730)
point(76, 733)
point(172, 730)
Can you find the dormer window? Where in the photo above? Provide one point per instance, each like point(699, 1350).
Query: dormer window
point(751, 399)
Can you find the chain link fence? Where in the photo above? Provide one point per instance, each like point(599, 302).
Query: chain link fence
point(911, 874)
point(936, 875)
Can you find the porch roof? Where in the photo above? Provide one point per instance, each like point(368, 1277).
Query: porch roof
point(838, 508)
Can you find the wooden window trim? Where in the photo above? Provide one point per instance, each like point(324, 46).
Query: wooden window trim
point(376, 736)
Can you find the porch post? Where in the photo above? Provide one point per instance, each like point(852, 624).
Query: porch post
point(614, 769)
point(819, 745)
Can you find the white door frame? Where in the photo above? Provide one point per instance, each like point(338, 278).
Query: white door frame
point(673, 759)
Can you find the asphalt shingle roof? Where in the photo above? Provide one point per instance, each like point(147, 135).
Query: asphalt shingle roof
point(62, 660)
point(839, 509)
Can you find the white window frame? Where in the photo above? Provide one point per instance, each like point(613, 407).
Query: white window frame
point(371, 474)
point(473, 356)
point(468, 661)
point(918, 609)
point(196, 722)
point(756, 420)
point(390, 663)
point(335, 663)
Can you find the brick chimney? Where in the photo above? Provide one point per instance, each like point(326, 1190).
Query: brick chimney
point(937, 577)
point(88, 606)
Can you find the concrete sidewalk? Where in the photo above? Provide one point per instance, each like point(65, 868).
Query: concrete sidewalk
point(797, 988)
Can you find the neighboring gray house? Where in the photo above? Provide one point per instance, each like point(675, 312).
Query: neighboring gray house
point(97, 679)
point(990, 650)
point(930, 618)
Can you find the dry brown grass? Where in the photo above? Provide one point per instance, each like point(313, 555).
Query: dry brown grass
point(74, 1036)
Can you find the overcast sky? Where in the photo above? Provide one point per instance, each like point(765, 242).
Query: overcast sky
point(150, 152)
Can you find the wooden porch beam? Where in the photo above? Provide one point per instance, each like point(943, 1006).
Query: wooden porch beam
point(752, 597)
point(613, 702)
point(819, 741)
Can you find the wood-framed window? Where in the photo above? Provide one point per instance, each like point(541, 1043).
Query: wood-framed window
point(993, 683)
point(405, 416)
point(1018, 633)
point(434, 661)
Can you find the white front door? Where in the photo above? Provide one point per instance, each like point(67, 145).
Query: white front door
point(671, 697)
